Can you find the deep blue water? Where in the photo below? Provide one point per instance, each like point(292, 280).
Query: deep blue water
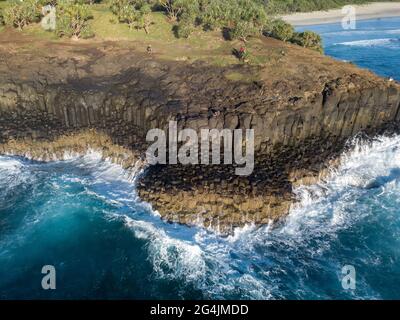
point(373, 45)
point(82, 216)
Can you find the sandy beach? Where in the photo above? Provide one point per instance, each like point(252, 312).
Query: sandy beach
point(363, 12)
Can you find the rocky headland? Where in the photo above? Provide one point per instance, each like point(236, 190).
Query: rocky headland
point(302, 106)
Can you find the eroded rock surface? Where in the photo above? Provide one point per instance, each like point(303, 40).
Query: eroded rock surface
point(302, 106)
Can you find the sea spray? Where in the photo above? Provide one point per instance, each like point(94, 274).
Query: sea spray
point(91, 208)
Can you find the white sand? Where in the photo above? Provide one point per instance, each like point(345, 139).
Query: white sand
point(363, 12)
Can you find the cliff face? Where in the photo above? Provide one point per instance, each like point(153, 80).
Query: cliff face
point(302, 107)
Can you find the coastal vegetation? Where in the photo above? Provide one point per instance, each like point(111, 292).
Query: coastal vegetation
point(1, 19)
point(135, 13)
point(21, 14)
point(229, 20)
point(73, 20)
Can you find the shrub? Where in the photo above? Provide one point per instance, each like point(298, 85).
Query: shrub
point(136, 13)
point(43, 3)
point(242, 30)
point(241, 18)
point(174, 8)
point(281, 30)
point(143, 18)
point(184, 29)
point(246, 19)
point(308, 39)
point(187, 22)
point(22, 14)
point(73, 20)
point(127, 14)
point(214, 14)
point(242, 54)
point(90, 1)
point(1, 18)
point(117, 5)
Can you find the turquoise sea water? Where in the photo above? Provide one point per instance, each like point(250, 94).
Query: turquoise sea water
point(82, 216)
point(374, 44)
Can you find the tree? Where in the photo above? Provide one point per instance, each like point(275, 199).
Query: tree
point(246, 18)
point(308, 39)
point(187, 21)
point(242, 30)
point(214, 14)
point(128, 14)
point(1, 18)
point(241, 18)
point(73, 20)
point(183, 30)
point(174, 8)
point(143, 19)
point(281, 30)
point(136, 13)
point(117, 5)
point(22, 14)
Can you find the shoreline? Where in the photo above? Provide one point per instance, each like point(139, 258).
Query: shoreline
point(302, 105)
point(363, 12)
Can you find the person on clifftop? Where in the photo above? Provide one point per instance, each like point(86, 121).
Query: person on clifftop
point(243, 54)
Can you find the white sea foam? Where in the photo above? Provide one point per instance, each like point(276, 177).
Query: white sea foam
point(394, 31)
point(389, 43)
point(12, 172)
point(361, 32)
point(322, 207)
point(254, 259)
point(10, 165)
point(171, 258)
point(321, 212)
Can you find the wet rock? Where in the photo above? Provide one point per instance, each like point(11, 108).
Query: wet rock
point(300, 122)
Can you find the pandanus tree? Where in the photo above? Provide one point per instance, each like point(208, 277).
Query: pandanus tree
point(73, 20)
point(22, 14)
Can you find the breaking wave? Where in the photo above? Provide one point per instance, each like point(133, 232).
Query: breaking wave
point(388, 43)
point(362, 32)
point(373, 44)
point(351, 217)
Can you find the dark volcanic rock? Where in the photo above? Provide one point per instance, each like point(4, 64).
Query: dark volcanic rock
point(302, 117)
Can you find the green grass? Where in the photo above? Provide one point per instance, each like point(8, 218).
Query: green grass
point(36, 30)
point(237, 76)
point(210, 47)
point(4, 4)
point(106, 26)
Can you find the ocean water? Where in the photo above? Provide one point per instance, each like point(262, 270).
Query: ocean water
point(83, 217)
point(373, 45)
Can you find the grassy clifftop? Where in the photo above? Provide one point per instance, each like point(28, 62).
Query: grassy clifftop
point(221, 32)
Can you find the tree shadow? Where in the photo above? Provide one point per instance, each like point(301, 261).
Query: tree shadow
point(226, 34)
